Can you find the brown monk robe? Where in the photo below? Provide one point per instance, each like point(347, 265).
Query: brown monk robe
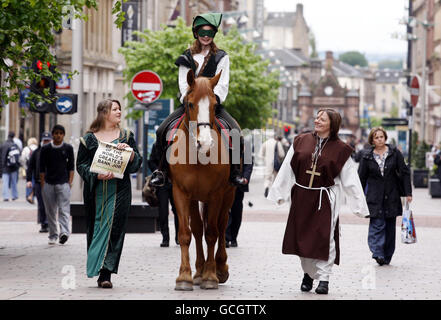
point(308, 229)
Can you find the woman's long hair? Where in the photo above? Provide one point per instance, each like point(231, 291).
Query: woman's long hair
point(103, 110)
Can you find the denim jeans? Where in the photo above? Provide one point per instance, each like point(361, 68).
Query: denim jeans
point(10, 182)
point(381, 238)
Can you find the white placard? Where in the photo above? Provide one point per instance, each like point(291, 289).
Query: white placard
point(108, 158)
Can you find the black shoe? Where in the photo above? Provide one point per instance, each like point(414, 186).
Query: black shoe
point(104, 279)
point(158, 179)
point(165, 243)
point(322, 287)
point(233, 244)
point(63, 238)
point(227, 244)
point(380, 260)
point(266, 192)
point(306, 283)
point(44, 229)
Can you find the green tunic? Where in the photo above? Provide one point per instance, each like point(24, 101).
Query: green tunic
point(107, 204)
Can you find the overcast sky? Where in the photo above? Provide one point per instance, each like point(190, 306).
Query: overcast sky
point(344, 25)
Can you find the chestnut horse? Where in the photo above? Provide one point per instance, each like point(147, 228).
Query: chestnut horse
point(198, 180)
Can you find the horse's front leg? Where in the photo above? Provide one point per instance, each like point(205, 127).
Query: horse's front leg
point(184, 280)
point(209, 278)
point(197, 228)
point(221, 253)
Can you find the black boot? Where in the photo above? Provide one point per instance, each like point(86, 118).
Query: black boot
point(104, 279)
point(306, 283)
point(322, 287)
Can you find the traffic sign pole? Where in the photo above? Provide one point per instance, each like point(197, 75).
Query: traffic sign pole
point(146, 88)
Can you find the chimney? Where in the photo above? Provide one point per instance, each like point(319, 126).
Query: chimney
point(329, 60)
point(299, 9)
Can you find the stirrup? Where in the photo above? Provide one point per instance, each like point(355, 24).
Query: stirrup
point(158, 179)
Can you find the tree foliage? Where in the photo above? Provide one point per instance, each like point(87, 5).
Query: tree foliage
point(354, 58)
point(390, 64)
point(252, 88)
point(27, 33)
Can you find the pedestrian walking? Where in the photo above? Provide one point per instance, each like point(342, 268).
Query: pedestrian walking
point(10, 164)
point(56, 176)
point(267, 152)
point(33, 180)
point(31, 146)
point(107, 200)
point(165, 196)
point(235, 214)
point(384, 177)
point(206, 60)
point(437, 161)
point(316, 173)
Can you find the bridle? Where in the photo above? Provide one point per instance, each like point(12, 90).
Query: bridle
point(187, 106)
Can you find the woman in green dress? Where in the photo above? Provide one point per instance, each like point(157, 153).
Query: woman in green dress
point(107, 200)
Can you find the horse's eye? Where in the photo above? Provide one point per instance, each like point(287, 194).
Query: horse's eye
point(190, 105)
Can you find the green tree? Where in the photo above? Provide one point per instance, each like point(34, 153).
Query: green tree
point(27, 32)
point(252, 87)
point(391, 64)
point(354, 58)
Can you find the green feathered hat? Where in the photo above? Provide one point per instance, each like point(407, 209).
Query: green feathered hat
point(210, 19)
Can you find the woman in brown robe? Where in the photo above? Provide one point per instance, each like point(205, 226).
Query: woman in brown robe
point(315, 173)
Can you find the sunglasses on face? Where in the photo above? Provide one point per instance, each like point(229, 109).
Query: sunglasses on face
point(209, 33)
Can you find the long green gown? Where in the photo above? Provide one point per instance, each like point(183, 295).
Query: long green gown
point(107, 204)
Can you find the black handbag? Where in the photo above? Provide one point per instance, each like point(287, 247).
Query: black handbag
point(277, 161)
point(149, 193)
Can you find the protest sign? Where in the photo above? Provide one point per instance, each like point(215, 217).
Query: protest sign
point(108, 158)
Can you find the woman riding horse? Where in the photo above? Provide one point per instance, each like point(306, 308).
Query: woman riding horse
point(206, 60)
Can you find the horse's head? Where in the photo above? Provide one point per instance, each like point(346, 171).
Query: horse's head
point(200, 107)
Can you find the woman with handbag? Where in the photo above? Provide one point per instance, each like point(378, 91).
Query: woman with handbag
point(385, 178)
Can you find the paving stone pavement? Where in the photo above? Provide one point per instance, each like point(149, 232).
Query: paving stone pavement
point(32, 269)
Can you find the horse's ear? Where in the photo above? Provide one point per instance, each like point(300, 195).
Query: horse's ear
point(215, 79)
point(190, 77)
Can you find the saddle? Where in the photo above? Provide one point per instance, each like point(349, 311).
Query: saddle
point(221, 124)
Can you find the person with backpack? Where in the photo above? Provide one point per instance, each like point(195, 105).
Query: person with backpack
point(10, 163)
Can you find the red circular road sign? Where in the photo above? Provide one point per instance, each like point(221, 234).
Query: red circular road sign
point(146, 86)
point(414, 91)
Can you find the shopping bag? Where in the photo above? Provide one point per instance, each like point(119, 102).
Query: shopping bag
point(408, 233)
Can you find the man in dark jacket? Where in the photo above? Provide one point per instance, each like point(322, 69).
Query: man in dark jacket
point(164, 194)
point(235, 217)
point(33, 180)
point(9, 163)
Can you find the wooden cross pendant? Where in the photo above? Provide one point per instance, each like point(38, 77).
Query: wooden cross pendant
point(312, 173)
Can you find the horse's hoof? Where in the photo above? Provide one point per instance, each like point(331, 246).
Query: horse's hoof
point(197, 281)
point(209, 284)
point(223, 277)
point(184, 286)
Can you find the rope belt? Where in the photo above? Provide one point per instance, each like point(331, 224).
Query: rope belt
point(321, 192)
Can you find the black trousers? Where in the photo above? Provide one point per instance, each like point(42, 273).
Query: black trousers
point(41, 211)
point(165, 194)
point(235, 216)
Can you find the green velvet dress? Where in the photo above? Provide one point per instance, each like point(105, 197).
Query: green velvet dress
point(107, 204)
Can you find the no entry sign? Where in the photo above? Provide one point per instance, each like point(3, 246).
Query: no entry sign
point(146, 86)
point(414, 91)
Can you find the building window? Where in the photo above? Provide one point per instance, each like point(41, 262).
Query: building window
point(383, 105)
